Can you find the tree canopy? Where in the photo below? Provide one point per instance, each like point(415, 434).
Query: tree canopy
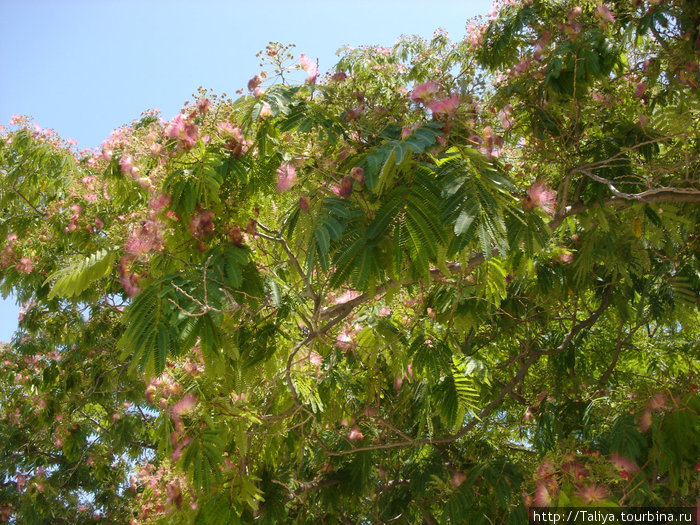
point(442, 283)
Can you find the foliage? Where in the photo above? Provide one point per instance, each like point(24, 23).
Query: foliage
point(443, 283)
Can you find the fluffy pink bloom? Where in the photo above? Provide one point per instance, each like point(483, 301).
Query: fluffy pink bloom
point(543, 495)
point(254, 82)
point(565, 257)
point(355, 434)
point(546, 469)
point(407, 131)
point(458, 478)
point(575, 469)
point(310, 67)
point(592, 493)
point(605, 15)
point(575, 13)
point(639, 91)
point(226, 129)
point(425, 92)
point(445, 107)
point(541, 44)
point(522, 66)
point(25, 265)
point(265, 110)
point(657, 402)
point(645, 421)
point(358, 174)
point(176, 127)
point(539, 195)
point(186, 132)
point(159, 202)
point(344, 341)
point(178, 446)
point(203, 105)
point(144, 240)
point(126, 163)
point(340, 76)
point(347, 296)
point(183, 406)
point(506, 116)
point(622, 463)
point(203, 224)
point(286, 176)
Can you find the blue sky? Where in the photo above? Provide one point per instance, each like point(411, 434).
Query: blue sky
point(84, 68)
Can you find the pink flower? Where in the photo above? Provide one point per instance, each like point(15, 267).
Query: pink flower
point(344, 341)
point(177, 448)
point(25, 265)
point(203, 105)
point(183, 406)
point(254, 82)
point(159, 202)
point(539, 195)
point(575, 469)
point(126, 163)
point(355, 434)
point(310, 67)
point(226, 129)
point(506, 116)
point(130, 282)
point(358, 174)
point(202, 225)
point(446, 107)
point(522, 66)
point(286, 176)
point(565, 257)
point(657, 402)
point(347, 296)
point(592, 493)
point(176, 127)
point(265, 110)
point(639, 91)
point(425, 92)
point(604, 14)
point(543, 496)
point(458, 478)
point(546, 469)
point(186, 132)
point(340, 76)
point(147, 239)
point(623, 464)
point(574, 13)
point(407, 131)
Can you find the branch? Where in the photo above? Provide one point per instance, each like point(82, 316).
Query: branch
point(668, 193)
point(295, 262)
point(605, 301)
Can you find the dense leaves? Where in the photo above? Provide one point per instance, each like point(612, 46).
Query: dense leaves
point(444, 283)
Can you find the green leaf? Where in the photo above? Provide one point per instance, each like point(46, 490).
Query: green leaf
point(79, 275)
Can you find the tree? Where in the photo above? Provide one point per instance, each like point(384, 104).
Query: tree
point(443, 283)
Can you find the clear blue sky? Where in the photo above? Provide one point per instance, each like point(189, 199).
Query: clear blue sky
point(84, 68)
